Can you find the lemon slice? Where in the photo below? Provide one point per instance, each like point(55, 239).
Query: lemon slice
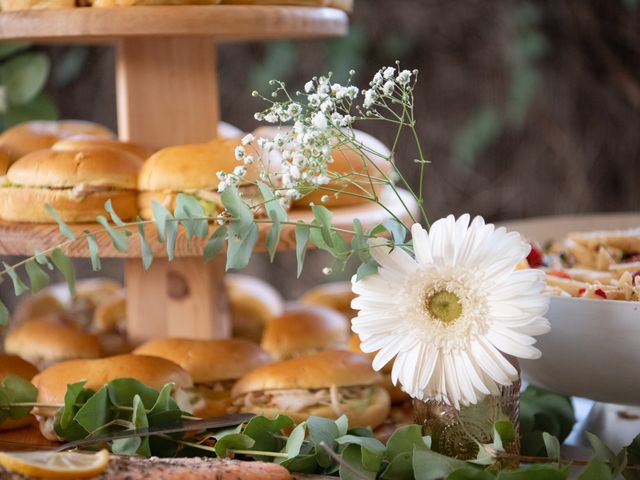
point(59, 465)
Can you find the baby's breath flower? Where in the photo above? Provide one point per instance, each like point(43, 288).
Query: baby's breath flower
point(370, 98)
point(319, 121)
point(271, 117)
point(247, 139)
point(388, 87)
point(403, 77)
point(324, 198)
point(388, 73)
point(240, 152)
point(248, 160)
point(239, 171)
point(327, 271)
point(308, 87)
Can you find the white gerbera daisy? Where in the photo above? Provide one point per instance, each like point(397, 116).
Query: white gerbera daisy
point(450, 314)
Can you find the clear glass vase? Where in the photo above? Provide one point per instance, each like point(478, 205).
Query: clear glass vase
point(454, 432)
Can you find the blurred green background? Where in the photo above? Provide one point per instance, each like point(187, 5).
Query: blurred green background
point(525, 107)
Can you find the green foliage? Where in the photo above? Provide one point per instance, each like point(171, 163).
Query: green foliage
point(15, 389)
point(543, 411)
point(303, 232)
point(276, 214)
point(279, 62)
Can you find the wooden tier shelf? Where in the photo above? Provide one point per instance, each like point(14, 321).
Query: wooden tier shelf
point(224, 22)
point(25, 239)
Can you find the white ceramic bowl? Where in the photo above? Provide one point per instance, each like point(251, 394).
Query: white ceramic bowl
point(593, 349)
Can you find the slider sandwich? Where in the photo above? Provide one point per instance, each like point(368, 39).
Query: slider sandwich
point(214, 365)
point(305, 330)
point(76, 183)
point(192, 170)
point(348, 162)
point(14, 365)
point(328, 384)
point(28, 137)
point(253, 304)
point(152, 371)
point(335, 295)
point(48, 340)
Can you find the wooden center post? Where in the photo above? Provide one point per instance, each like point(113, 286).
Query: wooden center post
point(167, 94)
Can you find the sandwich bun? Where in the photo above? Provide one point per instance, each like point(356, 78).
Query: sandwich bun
point(395, 392)
point(184, 168)
point(209, 360)
point(253, 304)
point(36, 305)
point(331, 368)
point(346, 159)
point(28, 137)
point(154, 372)
point(44, 341)
point(14, 365)
point(76, 183)
point(84, 142)
point(52, 383)
point(213, 364)
point(303, 330)
point(335, 295)
point(4, 162)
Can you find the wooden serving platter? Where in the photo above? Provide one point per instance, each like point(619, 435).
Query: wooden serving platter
point(223, 22)
point(25, 239)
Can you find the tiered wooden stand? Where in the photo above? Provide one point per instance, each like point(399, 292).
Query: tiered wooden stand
point(167, 94)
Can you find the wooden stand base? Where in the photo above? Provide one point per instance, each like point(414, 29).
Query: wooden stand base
point(182, 298)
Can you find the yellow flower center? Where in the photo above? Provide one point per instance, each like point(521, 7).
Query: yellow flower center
point(444, 306)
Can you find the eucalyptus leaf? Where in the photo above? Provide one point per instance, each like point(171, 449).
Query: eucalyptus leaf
point(70, 397)
point(342, 423)
point(276, 214)
point(242, 217)
point(239, 249)
point(108, 206)
point(398, 231)
point(535, 472)
point(164, 401)
point(353, 470)
point(469, 473)
point(43, 260)
point(552, 446)
point(63, 263)
point(373, 445)
point(95, 411)
point(161, 215)
point(4, 314)
point(18, 285)
point(172, 237)
point(215, 244)
point(24, 77)
point(325, 431)
point(264, 430)
point(122, 392)
point(359, 242)
point(596, 469)
point(145, 248)
point(430, 465)
point(294, 442)
point(604, 453)
point(302, 242)
point(18, 390)
point(94, 251)
point(38, 278)
point(404, 440)
point(234, 441)
point(140, 421)
point(191, 213)
point(323, 218)
point(400, 468)
point(119, 239)
point(366, 269)
point(633, 457)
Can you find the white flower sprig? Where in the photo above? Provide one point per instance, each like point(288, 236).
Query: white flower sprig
point(319, 120)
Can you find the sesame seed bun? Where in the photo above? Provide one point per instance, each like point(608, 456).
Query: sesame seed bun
point(45, 340)
point(40, 134)
point(331, 367)
point(253, 304)
point(84, 142)
point(14, 365)
point(305, 329)
point(209, 360)
point(335, 295)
